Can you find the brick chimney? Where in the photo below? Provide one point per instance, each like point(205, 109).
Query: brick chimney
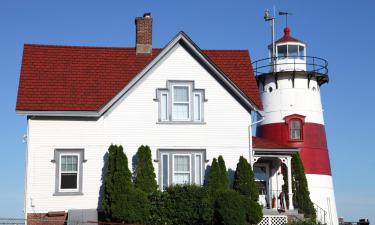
point(143, 37)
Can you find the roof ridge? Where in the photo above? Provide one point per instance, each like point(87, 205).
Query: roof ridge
point(117, 47)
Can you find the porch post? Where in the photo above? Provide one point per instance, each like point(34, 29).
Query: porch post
point(290, 193)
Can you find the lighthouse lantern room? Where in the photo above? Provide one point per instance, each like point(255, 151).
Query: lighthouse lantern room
point(289, 84)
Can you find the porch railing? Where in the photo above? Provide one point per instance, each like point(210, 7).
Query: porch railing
point(321, 214)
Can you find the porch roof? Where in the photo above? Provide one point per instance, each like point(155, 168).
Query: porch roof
point(263, 146)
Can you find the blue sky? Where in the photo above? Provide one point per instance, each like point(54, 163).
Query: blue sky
point(340, 31)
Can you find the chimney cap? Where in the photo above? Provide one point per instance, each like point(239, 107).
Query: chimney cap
point(147, 15)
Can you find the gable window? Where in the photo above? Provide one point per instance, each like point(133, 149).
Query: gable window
point(180, 167)
point(295, 129)
point(180, 102)
point(68, 171)
point(294, 124)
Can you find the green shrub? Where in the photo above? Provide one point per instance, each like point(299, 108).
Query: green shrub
point(144, 175)
point(218, 179)
point(244, 184)
point(190, 205)
point(160, 208)
point(301, 198)
point(117, 181)
point(305, 222)
point(134, 207)
point(229, 208)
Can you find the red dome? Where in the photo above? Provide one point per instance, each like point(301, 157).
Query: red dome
point(287, 37)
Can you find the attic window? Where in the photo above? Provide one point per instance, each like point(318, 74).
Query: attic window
point(295, 124)
point(295, 129)
point(180, 102)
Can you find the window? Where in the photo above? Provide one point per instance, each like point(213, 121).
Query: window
point(180, 102)
point(295, 130)
point(68, 171)
point(180, 167)
point(281, 51)
point(294, 124)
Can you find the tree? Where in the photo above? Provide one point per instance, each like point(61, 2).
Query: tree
point(224, 177)
point(144, 175)
point(301, 198)
point(218, 176)
point(108, 180)
point(244, 184)
point(117, 182)
point(229, 209)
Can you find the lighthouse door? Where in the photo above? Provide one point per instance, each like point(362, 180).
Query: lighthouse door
point(261, 173)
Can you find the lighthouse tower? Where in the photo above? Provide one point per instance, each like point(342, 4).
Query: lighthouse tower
point(289, 84)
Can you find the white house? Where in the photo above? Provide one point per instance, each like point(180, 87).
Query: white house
point(189, 105)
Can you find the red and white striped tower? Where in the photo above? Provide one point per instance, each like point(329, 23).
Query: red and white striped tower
point(289, 86)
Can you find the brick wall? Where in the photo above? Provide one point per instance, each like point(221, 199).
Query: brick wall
point(57, 218)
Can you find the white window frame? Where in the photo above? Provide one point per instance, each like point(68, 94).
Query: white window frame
point(162, 170)
point(177, 102)
point(182, 172)
point(78, 172)
point(199, 104)
point(201, 164)
point(164, 107)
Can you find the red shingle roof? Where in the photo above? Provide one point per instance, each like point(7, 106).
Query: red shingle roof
point(259, 142)
point(72, 78)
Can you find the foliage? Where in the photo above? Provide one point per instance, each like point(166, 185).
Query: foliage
point(223, 177)
point(160, 208)
point(285, 186)
point(244, 184)
point(229, 209)
point(218, 179)
point(117, 183)
point(305, 222)
point(190, 205)
point(134, 207)
point(144, 175)
point(301, 198)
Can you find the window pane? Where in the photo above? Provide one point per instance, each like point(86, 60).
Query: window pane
point(198, 169)
point(182, 163)
point(164, 107)
point(293, 50)
point(181, 94)
point(181, 178)
point(197, 107)
point(165, 171)
point(69, 163)
point(68, 181)
point(296, 124)
point(260, 173)
point(180, 111)
point(296, 134)
point(301, 52)
point(281, 51)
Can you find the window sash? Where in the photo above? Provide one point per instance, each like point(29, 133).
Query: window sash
point(197, 107)
point(164, 171)
point(164, 107)
point(198, 168)
point(176, 114)
point(65, 172)
point(183, 172)
point(295, 130)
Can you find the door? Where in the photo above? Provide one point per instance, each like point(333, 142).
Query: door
point(261, 173)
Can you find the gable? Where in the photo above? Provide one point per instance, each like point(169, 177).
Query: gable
point(87, 80)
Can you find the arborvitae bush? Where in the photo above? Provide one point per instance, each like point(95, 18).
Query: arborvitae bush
point(108, 197)
point(117, 181)
point(244, 184)
point(229, 209)
point(144, 175)
point(218, 179)
point(224, 177)
point(190, 204)
point(134, 207)
point(301, 197)
point(160, 208)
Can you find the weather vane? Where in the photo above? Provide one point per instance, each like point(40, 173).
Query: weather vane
point(286, 14)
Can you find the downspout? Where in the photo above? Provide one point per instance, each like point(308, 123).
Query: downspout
point(251, 138)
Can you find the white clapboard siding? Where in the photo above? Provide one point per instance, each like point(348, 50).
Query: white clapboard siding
point(131, 122)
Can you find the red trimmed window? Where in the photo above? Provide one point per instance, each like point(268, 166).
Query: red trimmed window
point(295, 126)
